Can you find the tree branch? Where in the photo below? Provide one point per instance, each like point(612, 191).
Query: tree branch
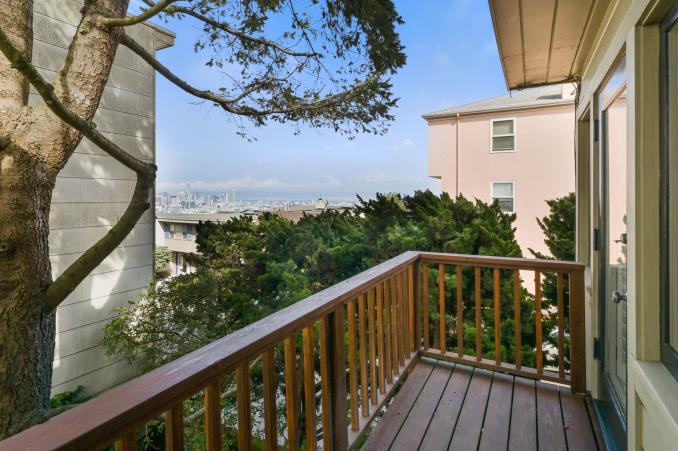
point(154, 10)
point(77, 272)
point(237, 33)
point(229, 104)
point(224, 102)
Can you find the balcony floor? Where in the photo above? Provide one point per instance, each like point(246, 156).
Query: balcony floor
point(443, 406)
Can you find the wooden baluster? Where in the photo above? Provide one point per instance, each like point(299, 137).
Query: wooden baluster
point(517, 320)
point(497, 318)
point(270, 407)
point(362, 333)
point(460, 313)
point(242, 380)
point(414, 336)
point(291, 393)
point(129, 441)
point(213, 416)
point(388, 357)
point(425, 305)
point(401, 319)
point(309, 388)
point(561, 325)
point(441, 306)
point(352, 367)
point(478, 294)
point(577, 333)
point(372, 345)
point(537, 320)
point(380, 338)
point(394, 328)
point(174, 429)
point(336, 357)
point(325, 383)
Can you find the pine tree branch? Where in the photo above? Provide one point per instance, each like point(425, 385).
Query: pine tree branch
point(224, 102)
point(237, 33)
point(229, 105)
point(154, 10)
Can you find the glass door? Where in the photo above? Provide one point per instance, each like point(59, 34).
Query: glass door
point(613, 258)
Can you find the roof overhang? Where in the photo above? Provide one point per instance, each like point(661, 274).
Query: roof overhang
point(544, 41)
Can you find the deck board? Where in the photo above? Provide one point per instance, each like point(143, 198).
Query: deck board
point(523, 430)
point(419, 417)
point(470, 421)
point(495, 432)
point(550, 427)
point(382, 437)
point(443, 406)
point(439, 432)
point(578, 429)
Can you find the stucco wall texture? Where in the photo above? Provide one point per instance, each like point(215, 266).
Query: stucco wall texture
point(541, 167)
point(91, 193)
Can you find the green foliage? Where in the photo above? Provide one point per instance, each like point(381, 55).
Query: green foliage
point(559, 230)
point(163, 257)
point(68, 398)
point(247, 270)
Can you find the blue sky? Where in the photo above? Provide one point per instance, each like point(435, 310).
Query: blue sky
point(451, 59)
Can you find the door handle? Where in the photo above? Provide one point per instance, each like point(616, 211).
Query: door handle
point(617, 297)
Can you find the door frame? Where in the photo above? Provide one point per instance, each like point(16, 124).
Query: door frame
point(607, 403)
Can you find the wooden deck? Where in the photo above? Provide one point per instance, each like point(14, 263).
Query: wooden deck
point(443, 406)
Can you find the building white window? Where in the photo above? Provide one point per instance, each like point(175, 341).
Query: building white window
point(504, 193)
point(503, 135)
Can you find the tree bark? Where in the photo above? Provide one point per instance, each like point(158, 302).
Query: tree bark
point(27, 324)
point(35, 143)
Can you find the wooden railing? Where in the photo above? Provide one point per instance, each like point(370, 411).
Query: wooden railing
point(381, 315)
point(506, 273)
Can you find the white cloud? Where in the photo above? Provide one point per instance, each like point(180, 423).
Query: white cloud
point(248, 183)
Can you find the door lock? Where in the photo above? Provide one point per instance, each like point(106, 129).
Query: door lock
point(617, 297)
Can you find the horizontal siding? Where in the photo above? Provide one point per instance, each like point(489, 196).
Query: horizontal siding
point(92, 192)
point(100, 379)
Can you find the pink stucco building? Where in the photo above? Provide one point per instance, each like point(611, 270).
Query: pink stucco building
point(517, 148)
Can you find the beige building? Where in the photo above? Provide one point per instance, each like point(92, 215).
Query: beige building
point(625, 56)
point(516, 149)
point(178, 232)
point(91, 193)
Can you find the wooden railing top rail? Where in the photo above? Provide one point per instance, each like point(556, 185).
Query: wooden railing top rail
point(100, 420)
point(501, 262)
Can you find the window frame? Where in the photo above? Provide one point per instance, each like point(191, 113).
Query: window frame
point(492, 197)
point(514, 134)
point(669, 354)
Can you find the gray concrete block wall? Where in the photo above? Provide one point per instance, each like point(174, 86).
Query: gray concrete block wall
point(91, 194)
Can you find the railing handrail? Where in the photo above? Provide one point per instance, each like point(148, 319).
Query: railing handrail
point(100, 420)
point(530, 264)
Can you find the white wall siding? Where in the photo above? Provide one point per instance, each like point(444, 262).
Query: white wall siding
point(91, 194)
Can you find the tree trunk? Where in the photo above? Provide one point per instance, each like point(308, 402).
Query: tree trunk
point(27, 324)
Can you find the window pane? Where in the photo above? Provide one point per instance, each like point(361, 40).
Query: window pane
point(502, 190)
point(506, 204)
point(503, 143)
point(673, 185)
point(502, 127)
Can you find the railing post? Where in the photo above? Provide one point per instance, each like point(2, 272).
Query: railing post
point(577, 333)
point(337, 374)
